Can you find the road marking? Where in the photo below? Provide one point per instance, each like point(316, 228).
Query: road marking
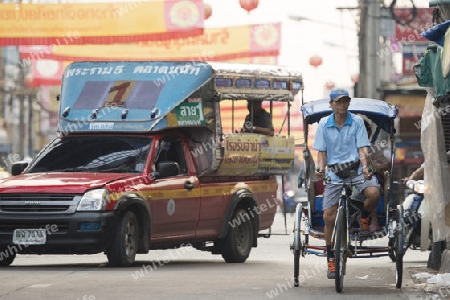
point(40, 285)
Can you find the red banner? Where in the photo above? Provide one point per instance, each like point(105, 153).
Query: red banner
point(411, 32)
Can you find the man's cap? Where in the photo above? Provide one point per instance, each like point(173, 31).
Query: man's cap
point(337, 94)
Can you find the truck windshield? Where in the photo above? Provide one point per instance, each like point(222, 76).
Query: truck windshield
point(116, 154)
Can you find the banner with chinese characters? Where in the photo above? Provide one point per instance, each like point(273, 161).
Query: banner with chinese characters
point(216, 44)
point(67, 24)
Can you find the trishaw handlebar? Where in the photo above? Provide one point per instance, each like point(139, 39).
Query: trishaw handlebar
point(328, 180)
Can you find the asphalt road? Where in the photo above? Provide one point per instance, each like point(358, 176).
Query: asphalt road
point(190, 274)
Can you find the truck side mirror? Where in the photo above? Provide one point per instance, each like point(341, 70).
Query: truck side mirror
point(18, 167)
point(167, 169)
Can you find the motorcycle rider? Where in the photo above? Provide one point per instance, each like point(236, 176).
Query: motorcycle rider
point(412, 202)
point(417, 174)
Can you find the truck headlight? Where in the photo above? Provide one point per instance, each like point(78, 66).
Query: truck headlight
point(93, 200)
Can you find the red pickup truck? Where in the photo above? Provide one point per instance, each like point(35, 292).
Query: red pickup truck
point(142, 162)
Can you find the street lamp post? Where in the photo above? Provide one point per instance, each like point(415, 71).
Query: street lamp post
point(302, 18)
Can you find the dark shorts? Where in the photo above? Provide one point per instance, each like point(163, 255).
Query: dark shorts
point(332, 192)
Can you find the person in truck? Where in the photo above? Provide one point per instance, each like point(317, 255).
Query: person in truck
point(262, 120)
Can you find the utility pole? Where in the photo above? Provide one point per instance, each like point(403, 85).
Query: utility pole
point(361, 90)
point(369, 48)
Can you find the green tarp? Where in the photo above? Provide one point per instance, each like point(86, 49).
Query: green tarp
point(428, 71)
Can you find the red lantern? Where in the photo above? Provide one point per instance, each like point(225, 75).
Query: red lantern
point(207, 11)
point(28, 80)
point(355, 78)
point(315, 61)
point(329, 85)
point(249, 5)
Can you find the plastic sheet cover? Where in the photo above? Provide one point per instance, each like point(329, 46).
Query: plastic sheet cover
point(437, 174)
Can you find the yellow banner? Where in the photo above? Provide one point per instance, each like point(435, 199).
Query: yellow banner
point(215, 44)
point(99, 23)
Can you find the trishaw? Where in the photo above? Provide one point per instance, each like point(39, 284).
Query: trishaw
point(308, 219)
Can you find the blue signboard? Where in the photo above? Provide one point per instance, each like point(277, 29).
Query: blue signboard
point(126, 96)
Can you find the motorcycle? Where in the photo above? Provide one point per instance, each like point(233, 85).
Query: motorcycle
point(414, 217)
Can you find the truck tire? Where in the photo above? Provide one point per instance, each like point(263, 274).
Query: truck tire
point(236, 246)
point(6, 260)
point(122, 252)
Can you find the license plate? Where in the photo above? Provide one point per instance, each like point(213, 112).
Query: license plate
point(29, 236)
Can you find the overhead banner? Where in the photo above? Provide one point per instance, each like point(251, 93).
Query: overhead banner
point(99, 23)
point(216, 44)
point(411, 32)
point(49, 72)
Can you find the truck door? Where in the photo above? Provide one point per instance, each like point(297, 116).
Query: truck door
point(175, 200)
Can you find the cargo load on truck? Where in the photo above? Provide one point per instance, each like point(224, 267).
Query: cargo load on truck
point(155, 96)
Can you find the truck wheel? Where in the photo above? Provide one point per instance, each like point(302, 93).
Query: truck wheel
point(122, 252)
point(236, 246)
point(6, 260)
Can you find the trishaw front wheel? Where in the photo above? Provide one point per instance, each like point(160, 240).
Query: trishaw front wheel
point(340, 249)
point(399, 247)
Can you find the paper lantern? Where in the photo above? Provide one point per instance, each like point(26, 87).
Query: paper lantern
point(315, 61)
point(330, 85)
point(249, 5)
point(207, 11)
point(355, 78)
point(28, 80)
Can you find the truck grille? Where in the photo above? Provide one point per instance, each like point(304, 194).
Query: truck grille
point(11, 226)
point(38, 203)
point(33, 208)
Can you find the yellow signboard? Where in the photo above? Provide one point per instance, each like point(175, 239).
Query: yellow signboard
point(256, 154)
point(99, 23)
point(215, 44)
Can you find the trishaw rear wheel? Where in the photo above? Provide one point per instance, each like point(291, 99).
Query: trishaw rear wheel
point(297, 247)
point(296, 267)
point(391, 250)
